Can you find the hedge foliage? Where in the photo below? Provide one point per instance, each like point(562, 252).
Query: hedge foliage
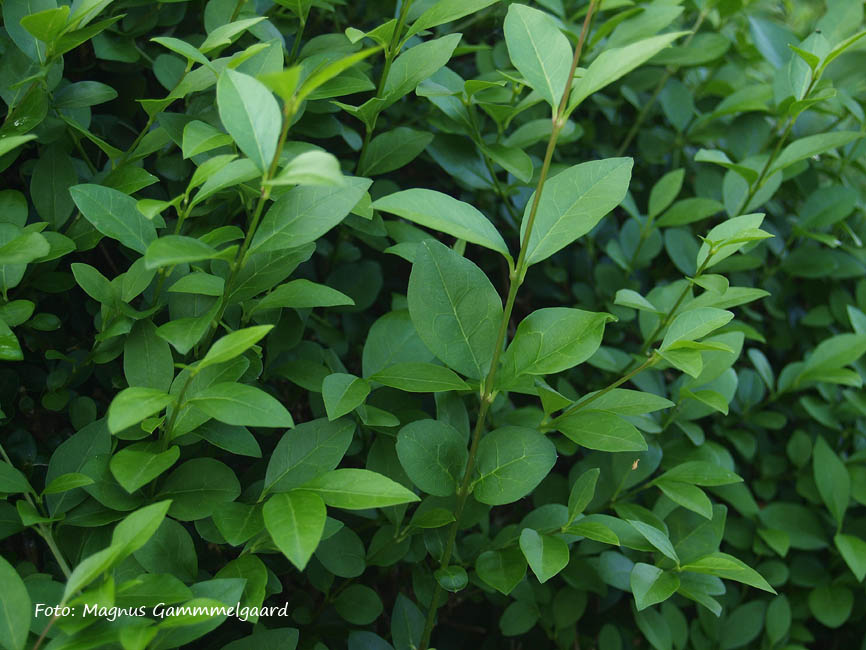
point(463, 323)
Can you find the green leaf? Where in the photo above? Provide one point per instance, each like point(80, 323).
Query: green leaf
point(582, 492)
point(310, 168)
point(394, 149)
point(853, 550)
point(132, 405)
point(446, 11)
point(687, 495)
point(417, 377)
point(13, 481)
point(778, 618)
point(169, 250)
point(305, 213)
point(600, 430)
point(573, 202)
point(307, 451)
point(415, 65)
point(547, 555)
point(295, 521)
point(651, 585)
point(700, 472)
point(455, 309)
point(199, 487)
point(445, 214)
point(12, 142)
point(434, 455)
point(831, 477)
point(115, 215)
point(623, 401)
point(250, 114)
point(728, 567)
point(302, 294)
point(359, 489)
point(452, 578)
point(657, 538)
point(554, 339)
point(694, 324)
point(538, 50)
point(241, 404)
point(812, 145)
point(342, 393)
point(25, 248)
point(511, 462)
point(16, 609)
point(831, 604)
point(66, 482)
point(200, 137)
point(223, 35)
point(147, 359)
point(503, 569)
point(617, 62)
point(233, 345)
point(136, 466)
point(665, 191)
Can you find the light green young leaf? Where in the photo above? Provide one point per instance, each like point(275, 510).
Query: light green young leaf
point(614, 63)
point(359, 489)
point(539, 51)
point(687, 495)
point(200, 137)
point(115, 215)
point(623, 401)
point(812, 145)
point(455, 309)
point(694, 324)
point(600, 430)
point(547, 555)
point(66, 482)
point(223, 35)
point(512, 461)
point(11, 142)
point(445, 214)
point(434, 455)
point(241, 404)
point(169, 250)
point(310, 168)
point(446, 11)
point(630, 298)
point(657, 538)
point(701, 472)
point(250, 114)
point(418, 377)
point(572, 204)
point(415, 65)
point(25, 248)
point(132, 405)
point(13, 481)
point(232, 345)
point(665, 191)
point(302, 294)
point(728, 567)
point(295, 521)
point(342, 393)
point(651, 585)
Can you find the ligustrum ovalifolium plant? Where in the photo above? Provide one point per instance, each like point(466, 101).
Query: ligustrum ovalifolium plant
point(456, 324)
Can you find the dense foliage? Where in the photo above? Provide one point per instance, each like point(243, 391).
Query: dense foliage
point(463, 323)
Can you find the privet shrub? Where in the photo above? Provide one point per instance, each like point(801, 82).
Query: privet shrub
point(467, 323)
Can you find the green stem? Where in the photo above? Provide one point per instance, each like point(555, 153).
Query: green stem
point(296, 45)
point(488, 392)
point(390, 54)
point(649, 363)
point(43, 530)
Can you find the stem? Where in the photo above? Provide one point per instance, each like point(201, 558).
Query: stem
point(669, 72)
point(651, 361)
point(390, 54)
point(296, 45)
point(759, 182)
point(43, 530)
point(488, 393)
